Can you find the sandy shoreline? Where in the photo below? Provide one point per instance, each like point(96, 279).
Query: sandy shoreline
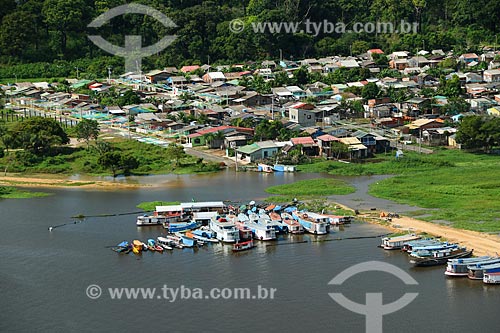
point(59, 182)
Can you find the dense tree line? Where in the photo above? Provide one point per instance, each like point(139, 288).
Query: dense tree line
point(45, 31)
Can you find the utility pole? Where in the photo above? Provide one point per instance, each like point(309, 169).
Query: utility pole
point(109, 75)
point(77, 69)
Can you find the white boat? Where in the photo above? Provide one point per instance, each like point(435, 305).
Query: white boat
point(262, 228)
point(313, 223)
point(476, 271)
point(293, 226)
point(458, 267)
point(147, 220)
point(225, 230)
point(396, 243)
point(491, 277)
point(164, 242)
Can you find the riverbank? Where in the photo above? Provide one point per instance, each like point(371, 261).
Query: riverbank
point(482, 243)
point(57, 182)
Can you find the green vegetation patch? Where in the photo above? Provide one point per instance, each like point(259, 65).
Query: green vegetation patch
point(8, 192)
point(149, 206)
point(313, 187)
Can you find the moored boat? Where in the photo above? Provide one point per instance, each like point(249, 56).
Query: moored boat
point(243, 246)
point(396, 243)
point(148, 220)
point(408, 247)
point(441, 257)
point(185, 240)
point(458, 267)
point(313, 223)
point(476, 271)
point(429, 251)
point(293, 226)
point(491, 277)
point(164, 242)
point(137, 246)
point(181, 226)
point(224, 230)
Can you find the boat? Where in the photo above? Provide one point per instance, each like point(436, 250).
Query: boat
point(181, 226)
point(122, 247)
point(224, 230)
point(491, 277)
point(313, 223)
point(458, 267)
point(284, 168)
point(262, 229)
point(164, 242)
point(408, 247)
point(148, 220)
point(428, 251)
point(264, 168)
point(441, 257)
point(339, 219)
point(241, 223)
point(293, 226)
point(243, 246)
point(278, 222)
point(476, 271)
point(204, 234)
point(185, 240)
point(137, 246)
point(159, 248)
point(396, 243)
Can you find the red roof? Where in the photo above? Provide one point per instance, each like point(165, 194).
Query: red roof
point(298, 105)
point(327, 138)
point(187, 69)
point(377, 51)
point(307, 140)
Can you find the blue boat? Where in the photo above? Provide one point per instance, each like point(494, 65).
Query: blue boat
point(458, 267)
point(428, 251)
point(181, 226)
point(313, 223)
point(476, 271)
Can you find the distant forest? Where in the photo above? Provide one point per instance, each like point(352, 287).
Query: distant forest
point(55, 31)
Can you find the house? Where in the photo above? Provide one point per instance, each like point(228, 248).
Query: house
point(420, 125)
point(199, 137)
point(374, 51)
point(418, 62)
point(492, 75)
point(301, 113)
point(269, 64)
point(307, 145)
point(473, 78)
point(253, 98)
point(189, 69)
point(325, 145)
point(235, 141)
point(438, 136)
point(212, 77)
point(296, 91)
point(157, 76)
point(469, 58)
point(368, 140)
point(355, 147)
point(257, 151)
point(417, 105)
point(389, 122)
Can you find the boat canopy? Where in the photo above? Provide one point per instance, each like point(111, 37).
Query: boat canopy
point(173, 208)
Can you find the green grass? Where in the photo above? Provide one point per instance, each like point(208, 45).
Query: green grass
point(149, 206)
point(7, 192)
point(312, 187)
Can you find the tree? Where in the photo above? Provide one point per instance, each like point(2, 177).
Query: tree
point(371, 90)
point(16, 33)
point(175, 152)
point(87, 130)
point(111, 160)
point(339, 149)
point(477, 132)
point(64, 16)
point(456, 105)
point(38, 135)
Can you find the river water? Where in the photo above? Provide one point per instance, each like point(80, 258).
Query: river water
point(44, 275)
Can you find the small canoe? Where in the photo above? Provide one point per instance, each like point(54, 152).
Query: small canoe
point(158, 248)
point(151, 248)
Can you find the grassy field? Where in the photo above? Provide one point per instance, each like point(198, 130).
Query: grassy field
point(310, 189)
point(7, 192)
point(150, 206)
point(457, 188)
point(152, 160)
